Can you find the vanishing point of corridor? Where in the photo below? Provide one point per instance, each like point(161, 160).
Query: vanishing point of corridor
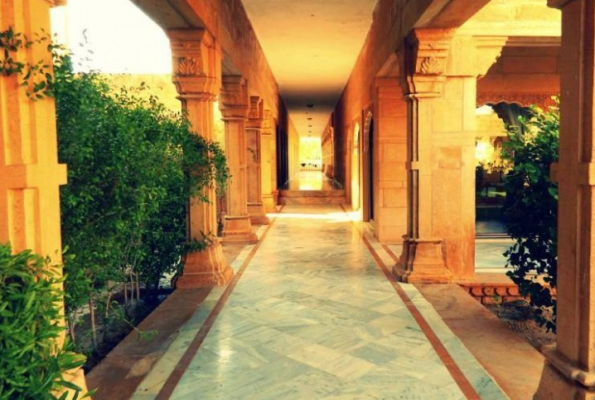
point(311, 314)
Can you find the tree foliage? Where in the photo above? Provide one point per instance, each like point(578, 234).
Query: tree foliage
point(132, 168)
point(531, 209)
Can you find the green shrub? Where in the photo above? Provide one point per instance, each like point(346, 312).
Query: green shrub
point(531, 209)
point(132, 168)
point(32, 364)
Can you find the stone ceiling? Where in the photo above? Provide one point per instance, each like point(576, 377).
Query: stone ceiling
point(311, 46)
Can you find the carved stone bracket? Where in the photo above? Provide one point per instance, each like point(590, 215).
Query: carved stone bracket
point(426, 53)
point(255, 113)
point(196, 61)
point(233, 99)
point(488, 50)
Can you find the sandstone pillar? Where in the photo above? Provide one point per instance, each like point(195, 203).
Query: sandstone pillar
point(441, 75)
point(30, 175)
point(196, 74)
point(390, 161)
point(233, 104)
point(569, 372)
point(254, 161)
point(268, 155)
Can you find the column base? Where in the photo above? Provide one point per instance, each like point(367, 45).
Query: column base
point(207, 268)
point(257, 214)
point(422, 261)
point(238, 229)
point(268, 202)
point(561, 379)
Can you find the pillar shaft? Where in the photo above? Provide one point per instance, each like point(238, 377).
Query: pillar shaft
point(390, 161)
point(441, 78)
point(570, 367)
point(196, 66)
point(267, 147)
point(237, 227)
point(30, 175)
point(254, 161)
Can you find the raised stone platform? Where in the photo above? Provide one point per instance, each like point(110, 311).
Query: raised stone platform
point(304, 197)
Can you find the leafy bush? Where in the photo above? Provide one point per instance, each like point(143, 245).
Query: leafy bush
point(531, 210)
point(132, 168)
point(32, 363)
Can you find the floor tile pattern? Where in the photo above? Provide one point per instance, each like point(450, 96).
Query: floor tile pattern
point(314, 318)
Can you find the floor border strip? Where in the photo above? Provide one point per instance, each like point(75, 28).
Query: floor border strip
point(390, 253)
point(460, 379)
point(174, 378)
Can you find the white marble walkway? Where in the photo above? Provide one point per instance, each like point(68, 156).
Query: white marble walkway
point(314, 317)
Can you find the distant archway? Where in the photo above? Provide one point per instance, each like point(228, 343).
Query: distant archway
point(355, 168)
point(368, 169)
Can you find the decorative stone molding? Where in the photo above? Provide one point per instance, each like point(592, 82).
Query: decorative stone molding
point(188, 66)
point(425, 55)
point(196, 61)
point(542, 100)
point(233, 99)
point(492, 293)
point(255, 113)
point(430, 50)
point(488, 50)
point(569, 369)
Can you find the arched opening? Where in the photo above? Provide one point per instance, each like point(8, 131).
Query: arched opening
point(355, 168)
point(368, 169)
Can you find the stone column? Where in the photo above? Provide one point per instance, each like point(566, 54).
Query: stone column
point(254, 161)
point(196, 74)
point(30, 175)
point(267, 158)
point(569, 371)
point(390, 161)
point(441, 75)
point(233, 104)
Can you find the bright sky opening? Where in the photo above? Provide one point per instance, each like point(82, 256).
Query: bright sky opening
point(121, 37)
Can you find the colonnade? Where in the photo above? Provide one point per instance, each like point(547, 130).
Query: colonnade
point(434, 102)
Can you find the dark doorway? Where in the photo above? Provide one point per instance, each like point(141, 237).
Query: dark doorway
point(371, 169)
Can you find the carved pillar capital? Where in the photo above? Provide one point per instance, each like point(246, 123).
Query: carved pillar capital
point(233, 99)
point(425, 55)
point(196, 59)
point(255, 114)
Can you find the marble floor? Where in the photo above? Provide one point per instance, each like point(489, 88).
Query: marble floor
point(314, 314)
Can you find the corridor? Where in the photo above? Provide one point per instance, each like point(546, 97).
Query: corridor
point(312, 315)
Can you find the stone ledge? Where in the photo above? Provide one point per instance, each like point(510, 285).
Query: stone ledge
point(509, 359)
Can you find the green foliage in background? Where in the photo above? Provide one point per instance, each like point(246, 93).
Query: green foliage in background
point(32, 363)
point(531, 209)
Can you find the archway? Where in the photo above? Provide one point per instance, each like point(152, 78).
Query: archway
point(355, 168)
point(368, 169)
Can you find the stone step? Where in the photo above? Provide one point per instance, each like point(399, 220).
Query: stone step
point(303, 197)
point(312, 193)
